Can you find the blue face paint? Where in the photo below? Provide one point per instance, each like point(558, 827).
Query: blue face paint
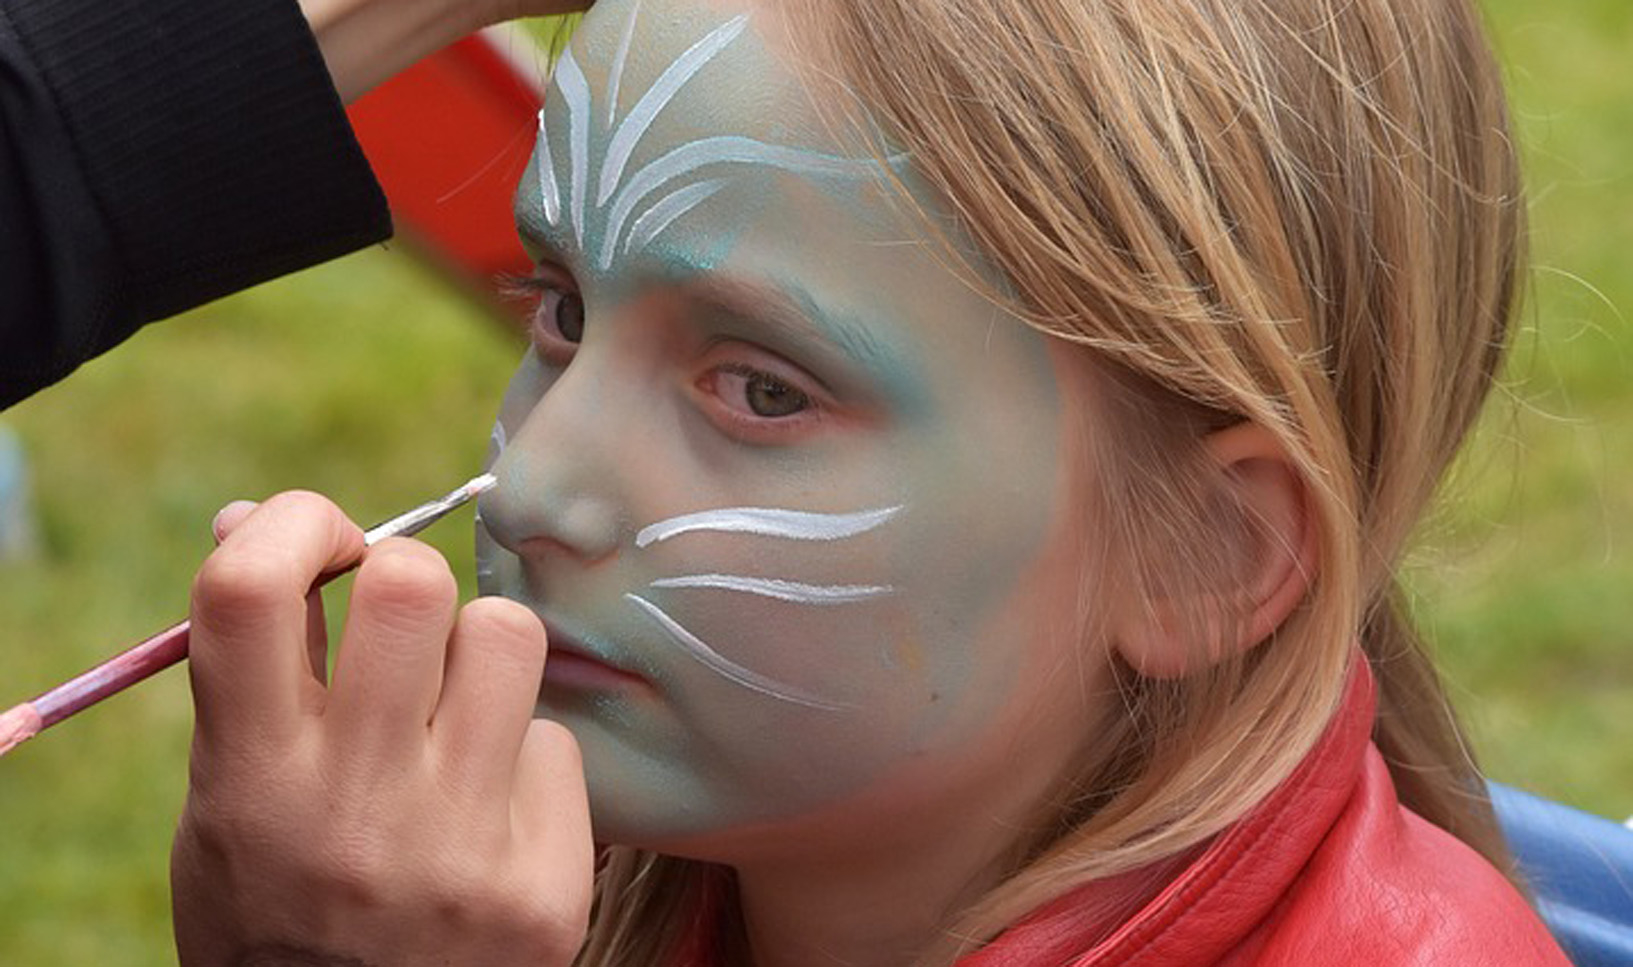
point(732, 255)
point(615, 209)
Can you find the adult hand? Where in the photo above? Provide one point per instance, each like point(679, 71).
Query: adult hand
point(364, 42)
point(410, 812)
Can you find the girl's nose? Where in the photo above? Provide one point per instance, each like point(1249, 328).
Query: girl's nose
point(557, 484)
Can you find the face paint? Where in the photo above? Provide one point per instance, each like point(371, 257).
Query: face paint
point(779, 589)
point(725, 667)
point(616, 199)
point(793, 524)
point(762, 620)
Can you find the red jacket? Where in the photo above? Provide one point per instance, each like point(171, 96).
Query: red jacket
point(1330, 869)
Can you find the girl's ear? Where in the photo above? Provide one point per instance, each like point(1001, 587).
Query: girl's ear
point(1264, 526)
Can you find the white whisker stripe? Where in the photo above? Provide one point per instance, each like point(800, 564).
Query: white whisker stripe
point(780, 589)
point(747, 678)
point(657, 218)
point(796, 525)
point(652, 103)
point(617, 75)
point(547, 176)
point(570, 81)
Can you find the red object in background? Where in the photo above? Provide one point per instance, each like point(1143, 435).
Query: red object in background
point(448, 139)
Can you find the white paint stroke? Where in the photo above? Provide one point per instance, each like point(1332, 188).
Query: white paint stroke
point(728, 149)
point(724, 666)
point(652, 103)
point(618, 58)
point(570, 81)
point(547, 176)
point(780, 589)
point(498, 437)
point(657, 218)
point(796, 525)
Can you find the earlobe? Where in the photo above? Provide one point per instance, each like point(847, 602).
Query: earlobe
point(1264, 529)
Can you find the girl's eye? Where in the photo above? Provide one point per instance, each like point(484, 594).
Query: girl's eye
point(743, 388)
point(558, 316)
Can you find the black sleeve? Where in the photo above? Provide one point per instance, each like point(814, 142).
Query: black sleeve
point(155, 155)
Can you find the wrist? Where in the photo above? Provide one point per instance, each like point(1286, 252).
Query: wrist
point(365, 42)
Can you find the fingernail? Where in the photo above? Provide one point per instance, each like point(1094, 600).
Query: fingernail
point(236, 508)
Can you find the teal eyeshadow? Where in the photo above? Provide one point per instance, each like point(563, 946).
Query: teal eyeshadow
point(897, 373)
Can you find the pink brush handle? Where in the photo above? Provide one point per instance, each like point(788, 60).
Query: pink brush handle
point(114, 675)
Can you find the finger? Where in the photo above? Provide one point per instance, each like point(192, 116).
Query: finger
point(550, 807)
point(489, 689)
point(229, 517)
point(248, 645)
point(317, 637)
point(389, 670)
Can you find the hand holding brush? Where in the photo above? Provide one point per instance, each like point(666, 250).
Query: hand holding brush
point(409, 812)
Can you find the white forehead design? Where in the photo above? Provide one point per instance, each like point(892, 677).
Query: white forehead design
point(618, 200)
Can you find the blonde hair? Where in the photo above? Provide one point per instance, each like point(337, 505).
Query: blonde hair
point(1306, 215)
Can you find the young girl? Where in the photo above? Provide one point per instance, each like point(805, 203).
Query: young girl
point(960, 471)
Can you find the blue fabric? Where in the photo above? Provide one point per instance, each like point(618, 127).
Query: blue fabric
point(1580, 868)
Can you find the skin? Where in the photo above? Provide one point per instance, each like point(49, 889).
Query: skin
point(365, 42)
point(410, 812)
point(962, 692)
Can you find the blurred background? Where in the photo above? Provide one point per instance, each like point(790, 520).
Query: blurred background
point(374, 381)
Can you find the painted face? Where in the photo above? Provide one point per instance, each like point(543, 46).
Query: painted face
point(784, 490)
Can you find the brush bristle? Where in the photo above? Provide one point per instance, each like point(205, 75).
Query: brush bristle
point(18, 725)
point(481, 485)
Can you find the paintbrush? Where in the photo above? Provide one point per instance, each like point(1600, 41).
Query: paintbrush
point(164, 649)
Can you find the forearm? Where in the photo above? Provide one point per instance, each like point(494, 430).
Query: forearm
point(365, 42)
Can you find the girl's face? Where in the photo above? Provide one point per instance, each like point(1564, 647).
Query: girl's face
point(790, 497)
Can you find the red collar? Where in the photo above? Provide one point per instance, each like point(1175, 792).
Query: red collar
point(1221, 896)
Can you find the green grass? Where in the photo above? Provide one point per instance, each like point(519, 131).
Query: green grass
point(1527, 586)
point(371, 382)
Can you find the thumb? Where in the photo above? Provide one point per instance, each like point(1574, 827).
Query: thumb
point(229, 517)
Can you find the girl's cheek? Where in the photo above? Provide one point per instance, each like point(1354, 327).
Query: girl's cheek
point(497, 441)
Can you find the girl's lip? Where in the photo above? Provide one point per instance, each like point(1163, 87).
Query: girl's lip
point(575, 666)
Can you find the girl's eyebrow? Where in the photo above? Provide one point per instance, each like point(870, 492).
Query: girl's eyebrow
point(537, 233)
point(790, 311)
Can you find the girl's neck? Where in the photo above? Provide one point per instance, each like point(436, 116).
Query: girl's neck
point(880, 913)
point(884, 902)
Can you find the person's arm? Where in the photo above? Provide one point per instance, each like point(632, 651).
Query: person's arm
point(158, 154)
point(365, 42)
